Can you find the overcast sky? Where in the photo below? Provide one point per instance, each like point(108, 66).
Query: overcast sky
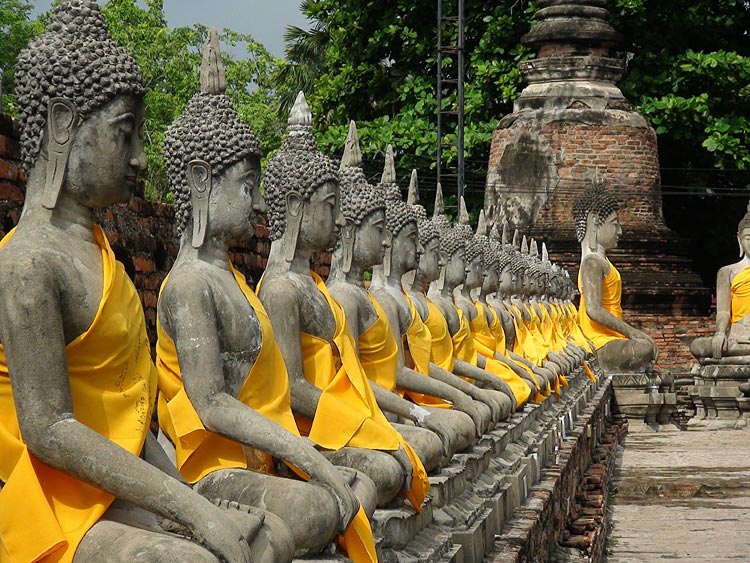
point(265, 20)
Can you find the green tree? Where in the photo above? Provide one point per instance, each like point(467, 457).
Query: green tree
point(170, 60)
point(16, 29)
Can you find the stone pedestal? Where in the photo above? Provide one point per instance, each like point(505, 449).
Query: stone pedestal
point(647, 404)
point(716, 396)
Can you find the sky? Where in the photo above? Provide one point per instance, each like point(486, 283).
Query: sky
point(265, 20)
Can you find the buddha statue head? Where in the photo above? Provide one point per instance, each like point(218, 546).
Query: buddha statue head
point(474, 247)
point(80, 97)
point(597, 223)
point(429, 240)
point(402, 254)
point(362, 238)
point(743, 234)
point(302, 189)
point(491, 266)
point(452, 247)
point(212, 159)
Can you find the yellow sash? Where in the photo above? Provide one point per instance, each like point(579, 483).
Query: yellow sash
point(740, 295)
point(45, 513)
point(463, 343)
point(347, 414)
point(265, 390)
point(418, 349)
point(598, 333)
point(484, 340)
point(378, 350)
point(442, 343)
point(496, 328)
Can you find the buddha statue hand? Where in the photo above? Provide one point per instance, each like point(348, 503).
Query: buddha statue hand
point(403, 459)
point(468, 406)
point(224, 532)
point(340, 484)
point(719, 344)
point(248, 518)
point(425, 419)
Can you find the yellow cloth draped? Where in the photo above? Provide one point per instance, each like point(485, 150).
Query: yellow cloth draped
point(347, 413)
point(45, 513)
point(740, 295)
point(265, 390)
point(419, 344)
point(598, 333)
point(378, 350)
point(496, 328)
point(463, 342)
point(486, 345)
point(442, 343)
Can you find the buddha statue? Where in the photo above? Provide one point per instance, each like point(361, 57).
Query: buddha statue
point(384, 309)
point(731, 342)
point(453, 249)
point(522, 385)
point(82, 477)
point(331, 398)
point(224, 398)
point(430, 346)
point(619, 346)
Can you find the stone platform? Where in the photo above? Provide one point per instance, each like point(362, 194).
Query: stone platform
point(682, 497)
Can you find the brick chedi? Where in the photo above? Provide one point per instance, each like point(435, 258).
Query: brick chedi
point(572, 126)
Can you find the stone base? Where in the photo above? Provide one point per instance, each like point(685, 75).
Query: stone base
point(716, 397)
point(639, 398)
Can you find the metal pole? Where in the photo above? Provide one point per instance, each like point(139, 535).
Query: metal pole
point(460, 139)
point(440, 91)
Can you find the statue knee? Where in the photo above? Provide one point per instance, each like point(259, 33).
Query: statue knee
point(699, 347)
point(275, 542)
point(315, 526)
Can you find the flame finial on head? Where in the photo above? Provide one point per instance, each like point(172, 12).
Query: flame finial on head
point(213, 75)
point(495, 233)
point(524, 245)
point(439, 202)
point(482, 225)
point(545, 253)
point(300, 114)
point(463, 213)
point(413, 198)
point(516, 240)
point(506, 233)
point(352, 157)
point(389, 170)
point(533, 249)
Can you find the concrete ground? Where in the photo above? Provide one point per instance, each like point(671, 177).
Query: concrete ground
point(682, 496)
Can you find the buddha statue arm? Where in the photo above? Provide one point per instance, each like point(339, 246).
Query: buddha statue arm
point(280, 299)
point(35, 351)
point(465, 369)
point(192, 318)
point(592, 274)
point(723, 311)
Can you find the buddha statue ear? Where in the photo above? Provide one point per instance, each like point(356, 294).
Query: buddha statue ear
point(441, 279)
point(200, 184)
point(348, 236)
point(739, 243)
point(294, 205)
point(388, 257)
point(592, 230)
point(62, 123)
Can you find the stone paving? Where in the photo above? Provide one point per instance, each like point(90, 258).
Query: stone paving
point(682, 496)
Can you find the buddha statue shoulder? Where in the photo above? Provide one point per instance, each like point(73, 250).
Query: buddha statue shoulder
point(77, 384)
point(620, 346)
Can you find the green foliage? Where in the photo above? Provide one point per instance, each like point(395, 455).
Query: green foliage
point(16, 29)
point(170, 60)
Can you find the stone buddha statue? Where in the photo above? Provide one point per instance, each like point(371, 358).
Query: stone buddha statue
point(731, 342)
point(224, 398)
point(441, 364)
point(369, 217)
point(619, 346)
point(520, 383)
point(331, 398)
point(77, 384)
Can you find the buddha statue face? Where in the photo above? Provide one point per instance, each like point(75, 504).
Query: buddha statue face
point(743, 239)
point(474, 274)
point(235, 201)
point(455, 268)
point(370, 240)
point(507, 281)
point(597, 222)
point(106, 154)
point(607, 231)
point(430, 261)
point(320, 216)
point(406, 248)
point(490, 281)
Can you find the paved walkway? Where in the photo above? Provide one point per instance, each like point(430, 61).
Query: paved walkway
point(682, 496)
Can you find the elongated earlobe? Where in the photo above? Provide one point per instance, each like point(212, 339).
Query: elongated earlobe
point(388, 258)
point(62, 123)
point(294, 205)
point(347, 246)
point(200, 183)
